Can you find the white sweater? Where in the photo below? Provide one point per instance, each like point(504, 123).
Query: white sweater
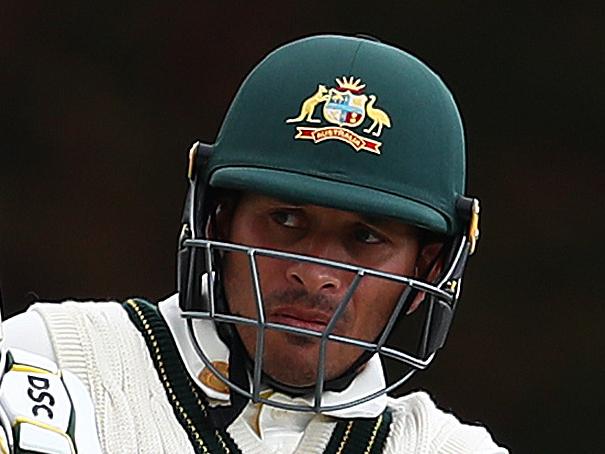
point(98, 343)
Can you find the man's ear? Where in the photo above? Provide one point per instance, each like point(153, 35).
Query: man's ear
point(429, 266)
point(218, 223)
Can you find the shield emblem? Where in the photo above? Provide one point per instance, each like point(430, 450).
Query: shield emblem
point(345, 108)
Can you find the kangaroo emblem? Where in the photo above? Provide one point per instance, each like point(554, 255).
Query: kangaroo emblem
point(308, 106)
point(379, 117)
point(343, 112)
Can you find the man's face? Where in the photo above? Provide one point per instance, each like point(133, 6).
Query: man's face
point(305, 295)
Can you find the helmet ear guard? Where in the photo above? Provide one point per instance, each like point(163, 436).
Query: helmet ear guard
point(192, 262)
point(440, 312)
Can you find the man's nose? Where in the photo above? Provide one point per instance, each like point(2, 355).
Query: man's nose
point(315, 278)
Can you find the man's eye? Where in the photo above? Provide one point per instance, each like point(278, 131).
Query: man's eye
point(367, 236)
point(285, 219)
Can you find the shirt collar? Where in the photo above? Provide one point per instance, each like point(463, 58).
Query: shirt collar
point(371, 378)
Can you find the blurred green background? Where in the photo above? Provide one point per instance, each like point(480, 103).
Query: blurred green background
point(100, 102)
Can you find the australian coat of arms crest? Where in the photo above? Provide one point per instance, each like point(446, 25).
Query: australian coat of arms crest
point(345, 106)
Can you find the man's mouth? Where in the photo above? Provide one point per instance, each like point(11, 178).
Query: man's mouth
point(301, 318)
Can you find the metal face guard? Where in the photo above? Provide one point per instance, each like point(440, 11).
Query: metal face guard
point(440, 301)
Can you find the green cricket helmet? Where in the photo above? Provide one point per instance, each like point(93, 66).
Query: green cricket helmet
point(348, 123)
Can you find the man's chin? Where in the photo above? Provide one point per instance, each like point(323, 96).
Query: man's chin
point(291, 368)
point(291, 378)
point(293, 359)
point(295, 364)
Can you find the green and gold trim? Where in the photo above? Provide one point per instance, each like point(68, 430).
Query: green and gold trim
point(186, 399)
